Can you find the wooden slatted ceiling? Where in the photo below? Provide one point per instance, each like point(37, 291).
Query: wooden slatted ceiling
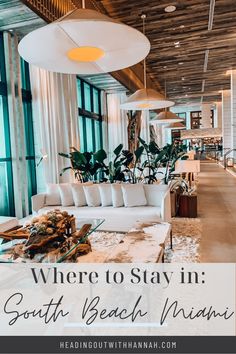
point(104, 82)
point(16, 16)
point(189, 26)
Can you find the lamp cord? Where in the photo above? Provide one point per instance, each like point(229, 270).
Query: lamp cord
point(143, 17)
point(165, 98)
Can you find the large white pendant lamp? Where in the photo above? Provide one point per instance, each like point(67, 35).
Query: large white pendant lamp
point(84, 42)
point(146, 99)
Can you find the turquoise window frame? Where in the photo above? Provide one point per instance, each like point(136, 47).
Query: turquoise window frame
point(29, 132)
point(87, 118)
point(9, 207)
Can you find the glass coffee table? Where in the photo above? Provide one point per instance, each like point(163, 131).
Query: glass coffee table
point(6, 248)
point(79, 224)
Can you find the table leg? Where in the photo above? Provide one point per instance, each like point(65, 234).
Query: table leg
point(171, 239)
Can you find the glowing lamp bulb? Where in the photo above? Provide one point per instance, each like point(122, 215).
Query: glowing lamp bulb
point(144, 105)
point(85, 54)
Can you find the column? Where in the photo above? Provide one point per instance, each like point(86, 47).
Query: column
point(159, 133)
point(145, 130)
point(166, 133)
point(233, 111)
point(218, 115)
point(206, 116)
point(226, 119)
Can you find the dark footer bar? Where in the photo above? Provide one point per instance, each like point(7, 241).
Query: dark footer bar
point(116, 344)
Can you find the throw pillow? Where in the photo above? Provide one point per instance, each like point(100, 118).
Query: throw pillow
point(66, 194)
point(92, 195)
point(53, 194)
point(117, 196)
point(105, 194)
point(78, 194)
point(133, 195)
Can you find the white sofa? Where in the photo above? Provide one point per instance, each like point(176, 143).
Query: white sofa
point(123, 218)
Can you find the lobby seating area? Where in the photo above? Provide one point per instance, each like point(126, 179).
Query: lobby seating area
point(117, 139)
point(120, 205)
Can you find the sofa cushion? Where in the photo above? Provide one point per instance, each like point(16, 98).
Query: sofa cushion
point(155, 193)
point(105, 194)
point(133, 195)
point(53, 195)
point(78, 194)
point(117, 195)
point(92, 195)
point(66, 194)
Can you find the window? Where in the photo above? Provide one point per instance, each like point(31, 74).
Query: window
point(196, 119)
point(30, 153)
point(29, 131)
point(90, 117)
point(183, 116)
point(175, 135)
point(6, 178)
point(7, 207)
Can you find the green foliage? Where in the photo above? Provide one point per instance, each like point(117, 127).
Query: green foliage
point(142, 165)
point(85, 165)
point(114, 171)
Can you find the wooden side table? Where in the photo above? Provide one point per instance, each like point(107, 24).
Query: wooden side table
point(188, 206)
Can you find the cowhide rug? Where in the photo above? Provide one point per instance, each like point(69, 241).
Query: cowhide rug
point(186, 240)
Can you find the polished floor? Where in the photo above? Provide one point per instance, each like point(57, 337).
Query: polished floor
point(217, 210)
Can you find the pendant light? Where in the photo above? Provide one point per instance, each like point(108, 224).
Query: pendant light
point(84, 41)
point(166, 116)
point(176, 125)
point(146, 99)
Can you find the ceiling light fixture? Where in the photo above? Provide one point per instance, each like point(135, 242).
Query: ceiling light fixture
point(82, 42)
point(145, 99)
point(170, 8)
point(181, 26)
point(181, 63)
point(166, 117)
point(183, 79)
point(176, 125)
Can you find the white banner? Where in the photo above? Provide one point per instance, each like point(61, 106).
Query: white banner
point(117, 299)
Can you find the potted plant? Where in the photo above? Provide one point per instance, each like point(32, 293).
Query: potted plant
point(183, 198)
point(85, 165)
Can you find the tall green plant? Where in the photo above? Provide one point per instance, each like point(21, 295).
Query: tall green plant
point(150, 164)
point(114, 169)
point(85, 165)
point(131, 164)
point(168, 156)
point(125, 164)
